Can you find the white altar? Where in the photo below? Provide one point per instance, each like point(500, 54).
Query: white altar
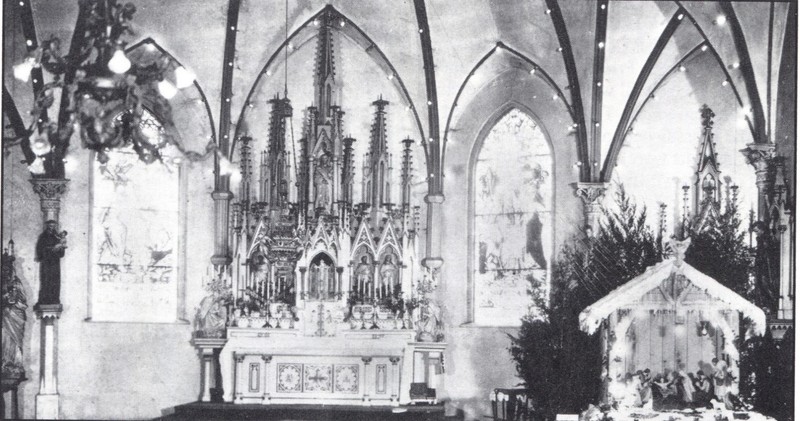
point(326, 299)
point(369, 367)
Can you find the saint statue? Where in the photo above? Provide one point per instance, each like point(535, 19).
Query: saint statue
point(388, 274)
point(49, 251)
point(259, 267)
point(322, 178)
point(14, 304)
point(212, 317)
point(364, 274)
point(429, 326)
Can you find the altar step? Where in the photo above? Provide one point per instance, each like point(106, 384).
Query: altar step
point(229, 411)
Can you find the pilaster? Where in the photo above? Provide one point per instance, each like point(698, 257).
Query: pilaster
point(592, 195)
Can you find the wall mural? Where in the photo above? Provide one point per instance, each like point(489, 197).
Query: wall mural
point(512, 219)
point(135, 239)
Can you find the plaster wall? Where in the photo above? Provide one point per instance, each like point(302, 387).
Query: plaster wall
point(118, 370)
point(107, 370)
point(477, 358)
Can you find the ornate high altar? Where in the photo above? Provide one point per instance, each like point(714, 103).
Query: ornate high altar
point(328, 300)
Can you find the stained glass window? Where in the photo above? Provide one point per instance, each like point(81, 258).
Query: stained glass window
point(513, 218)
point(135, 235)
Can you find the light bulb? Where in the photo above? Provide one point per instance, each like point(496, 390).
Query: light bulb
point(720, 20)
point(37, 167)
point(70, 163)
point(167, 89)
point(41, 145)
point(236, 177)
point(119, 63)
point(183, 78)
point(225, 166)
point(22, 71)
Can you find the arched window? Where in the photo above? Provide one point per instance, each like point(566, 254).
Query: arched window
point(512, 219)
point(136, 235)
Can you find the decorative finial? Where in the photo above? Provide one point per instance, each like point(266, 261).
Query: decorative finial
point(678, 249)
point(708, 116)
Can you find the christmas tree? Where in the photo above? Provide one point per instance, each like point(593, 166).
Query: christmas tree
point(559, 363)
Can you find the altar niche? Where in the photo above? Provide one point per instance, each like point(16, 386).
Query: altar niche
point(323, 285)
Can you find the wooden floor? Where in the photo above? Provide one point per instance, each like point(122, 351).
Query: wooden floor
point(229, 411)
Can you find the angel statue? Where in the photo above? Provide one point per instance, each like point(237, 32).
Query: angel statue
point(212, 316)
point(429, 326)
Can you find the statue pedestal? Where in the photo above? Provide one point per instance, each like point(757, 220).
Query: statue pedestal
point(47, 398)
point(209, 353)
point(10, 385)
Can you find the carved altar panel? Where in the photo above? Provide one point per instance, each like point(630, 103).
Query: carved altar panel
point(135, 240)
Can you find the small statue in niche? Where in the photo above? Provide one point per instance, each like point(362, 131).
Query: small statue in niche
point(322, 178)
point(49, 251)
point(364, 273)
point(14, 304)
point(388, 276)
point(259, 267)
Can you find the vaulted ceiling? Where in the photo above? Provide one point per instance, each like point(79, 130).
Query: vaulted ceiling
point(603, 62)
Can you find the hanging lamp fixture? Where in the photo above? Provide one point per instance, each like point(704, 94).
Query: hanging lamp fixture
point(106, 91)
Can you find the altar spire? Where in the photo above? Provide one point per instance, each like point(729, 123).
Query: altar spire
point(325, 77)
point(708, 186)
point(377, 163)
point(275, 168)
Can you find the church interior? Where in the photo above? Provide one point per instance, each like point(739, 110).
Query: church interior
point(294, 205)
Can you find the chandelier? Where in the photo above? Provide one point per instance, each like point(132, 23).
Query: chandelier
point(106, 91)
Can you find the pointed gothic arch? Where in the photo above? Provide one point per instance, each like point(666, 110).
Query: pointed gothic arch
point(352, 31)
point(511, 218)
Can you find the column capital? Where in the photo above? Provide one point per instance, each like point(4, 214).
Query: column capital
point(49, 188)
point(590, 193)
point(221, 195)
point(433, 263)
point(759, 154)
point(48, 311)
point(50, 191)
point(437, 198)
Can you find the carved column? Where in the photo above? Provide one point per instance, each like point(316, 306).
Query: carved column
point(47, 398)
point(303, 288)
point(759, 156)
point(222, 200)
point(781, 220)
point(592, 195)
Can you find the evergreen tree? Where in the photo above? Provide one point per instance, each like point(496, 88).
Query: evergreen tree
point(719, 250)
point(560, 364)
point(766, 367)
